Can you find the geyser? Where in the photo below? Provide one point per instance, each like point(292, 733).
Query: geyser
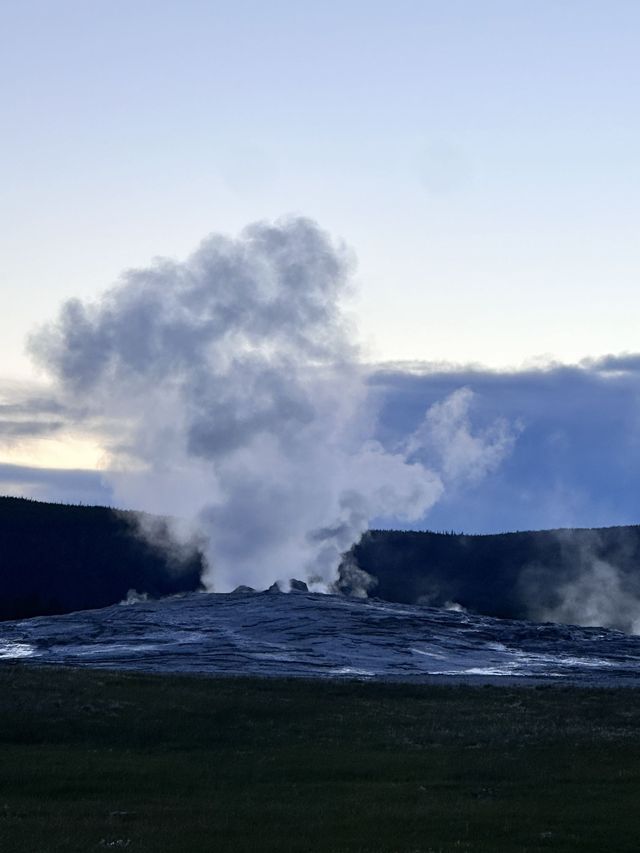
point(227, 390)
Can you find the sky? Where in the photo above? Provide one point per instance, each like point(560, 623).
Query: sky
point(480, 159)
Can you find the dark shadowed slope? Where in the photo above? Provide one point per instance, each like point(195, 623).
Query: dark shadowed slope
point(56, 558)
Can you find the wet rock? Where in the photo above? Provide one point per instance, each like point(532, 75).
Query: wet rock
point(242, 590)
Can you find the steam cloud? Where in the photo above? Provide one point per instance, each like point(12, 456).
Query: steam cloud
point(228, 392)
point(600, 596)
point(592, 590)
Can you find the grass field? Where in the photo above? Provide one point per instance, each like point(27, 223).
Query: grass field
point(93, 761)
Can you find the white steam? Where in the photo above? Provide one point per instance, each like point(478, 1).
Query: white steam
point(228, 391)
point(591, 584)
point(445, 438)
point(600, 596)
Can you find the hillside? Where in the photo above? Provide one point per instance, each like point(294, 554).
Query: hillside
point(585, 576)
point(56, 558)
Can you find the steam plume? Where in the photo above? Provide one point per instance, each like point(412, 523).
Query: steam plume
point(591, 585)
point(229, 392)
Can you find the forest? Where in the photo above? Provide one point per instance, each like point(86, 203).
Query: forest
point(521, 575)
point(56, 558)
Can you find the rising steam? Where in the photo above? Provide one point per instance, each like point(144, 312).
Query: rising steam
point(228, 391)
point(594, 582)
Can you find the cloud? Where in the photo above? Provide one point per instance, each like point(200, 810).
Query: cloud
point(27, 411)
point(10, 429)
point(33, 406)
point(576, 461)
point(54, 484)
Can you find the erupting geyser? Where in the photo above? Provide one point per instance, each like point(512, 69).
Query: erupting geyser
point(227, 390)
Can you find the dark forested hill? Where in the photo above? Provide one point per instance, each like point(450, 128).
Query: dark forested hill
point(583, 576)
point(56, 558)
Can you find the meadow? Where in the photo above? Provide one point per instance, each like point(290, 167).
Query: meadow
point(93, 760)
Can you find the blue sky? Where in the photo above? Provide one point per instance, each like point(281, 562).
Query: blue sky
point(480, 158)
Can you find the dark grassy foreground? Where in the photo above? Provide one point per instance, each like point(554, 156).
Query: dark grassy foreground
point(95, 761)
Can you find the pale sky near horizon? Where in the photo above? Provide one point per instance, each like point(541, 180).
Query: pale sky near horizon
point(481, 158)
